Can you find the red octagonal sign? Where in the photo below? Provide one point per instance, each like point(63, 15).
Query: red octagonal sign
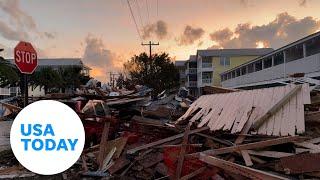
point(25, 57)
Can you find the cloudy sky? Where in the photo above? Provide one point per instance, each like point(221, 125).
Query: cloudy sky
point(103, 32)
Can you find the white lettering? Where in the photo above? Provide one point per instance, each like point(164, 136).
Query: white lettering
point(28, 57)
point(18, 56)
point(22, 55)
point(33, 57)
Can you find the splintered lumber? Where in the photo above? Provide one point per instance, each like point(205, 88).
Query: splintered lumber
point(146, 146)
point(272, 154)
point(183, 151)
point(246, 157)
point(103, 144)
point(301, 163)
point(238, 169)
point(193, 174)
point(254, 145)
point(224, 142)
point(276, 107)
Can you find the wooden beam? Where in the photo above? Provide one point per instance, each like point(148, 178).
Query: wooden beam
point(103, 144)
point(147, 146)
point(224, 142)
point(193, 174)
point(238, 169)
point(183, 151)
point(276, 107)
point(246, 157)
point(254, 145)
point(272, 154)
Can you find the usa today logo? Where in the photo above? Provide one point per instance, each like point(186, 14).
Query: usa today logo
point(47, 137)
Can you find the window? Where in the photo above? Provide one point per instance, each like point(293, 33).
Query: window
point(244, 70)
point(233, 74)
point(206, 77)
point(192, 64)
point(267, 62)
point(278, 58)
point(294, 53)
point(237, 72)
point(206, 62)
point(250, 68)
point(313, 46)
point(258, 65)
point(225, 61)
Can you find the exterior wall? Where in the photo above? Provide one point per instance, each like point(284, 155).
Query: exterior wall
point(234, 61)
point(309, 65)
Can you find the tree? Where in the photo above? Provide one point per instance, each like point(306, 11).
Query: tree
point(72, 77)
point(61, 79)
point(158, 72)
point(46, 78)
point(8, 73)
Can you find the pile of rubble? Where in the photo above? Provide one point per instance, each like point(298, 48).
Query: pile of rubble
point(270, 133)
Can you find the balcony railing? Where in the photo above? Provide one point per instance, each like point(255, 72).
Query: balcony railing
point(191, 71)
point(192, 83)
point(206, 65)
point(206, 81)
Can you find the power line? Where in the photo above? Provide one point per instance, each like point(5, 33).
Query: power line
point(157, 9)
point(148, 11)
point(134, 20)
point(139, 14)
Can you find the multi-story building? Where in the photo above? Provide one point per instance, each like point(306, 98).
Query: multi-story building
point(181, 66)
point(211, 62)
point(274, 68)
point(191, 73)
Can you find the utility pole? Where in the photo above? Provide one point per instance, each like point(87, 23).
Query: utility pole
point(150, 44)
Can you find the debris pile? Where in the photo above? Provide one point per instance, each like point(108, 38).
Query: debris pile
point(270, 133)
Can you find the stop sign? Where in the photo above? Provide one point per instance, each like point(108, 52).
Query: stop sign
point(25, 57)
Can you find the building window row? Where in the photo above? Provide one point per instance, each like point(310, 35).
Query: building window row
point(293, 53)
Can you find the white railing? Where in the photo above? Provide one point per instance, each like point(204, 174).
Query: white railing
point(206, 81)
point(5, 91)
point(206, 65)
point(307, 65)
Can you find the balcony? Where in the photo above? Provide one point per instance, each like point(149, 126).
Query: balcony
point(191, 71)
point(309, 65)
point(206, 81)
point(207, 67)
point(192, 84)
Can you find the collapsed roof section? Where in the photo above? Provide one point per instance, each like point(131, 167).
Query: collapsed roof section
point(277, 111)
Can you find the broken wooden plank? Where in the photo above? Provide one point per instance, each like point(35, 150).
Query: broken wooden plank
point(107, 160)
point(103, 144)
point(276, 107)
point(183, 151)
point(301, 163)
point(193, 174)
point(246, 157)
point(147, 146)
point(254, 145)
point(272, 154)
point(224, 142)
point(314, 147)
point(238, 169)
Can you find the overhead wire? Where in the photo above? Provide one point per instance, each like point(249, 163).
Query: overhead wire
point(134, 20)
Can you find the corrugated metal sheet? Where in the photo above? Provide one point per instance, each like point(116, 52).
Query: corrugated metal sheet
point(231, 111)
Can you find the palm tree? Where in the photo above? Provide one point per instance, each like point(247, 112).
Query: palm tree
point(8, 73)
